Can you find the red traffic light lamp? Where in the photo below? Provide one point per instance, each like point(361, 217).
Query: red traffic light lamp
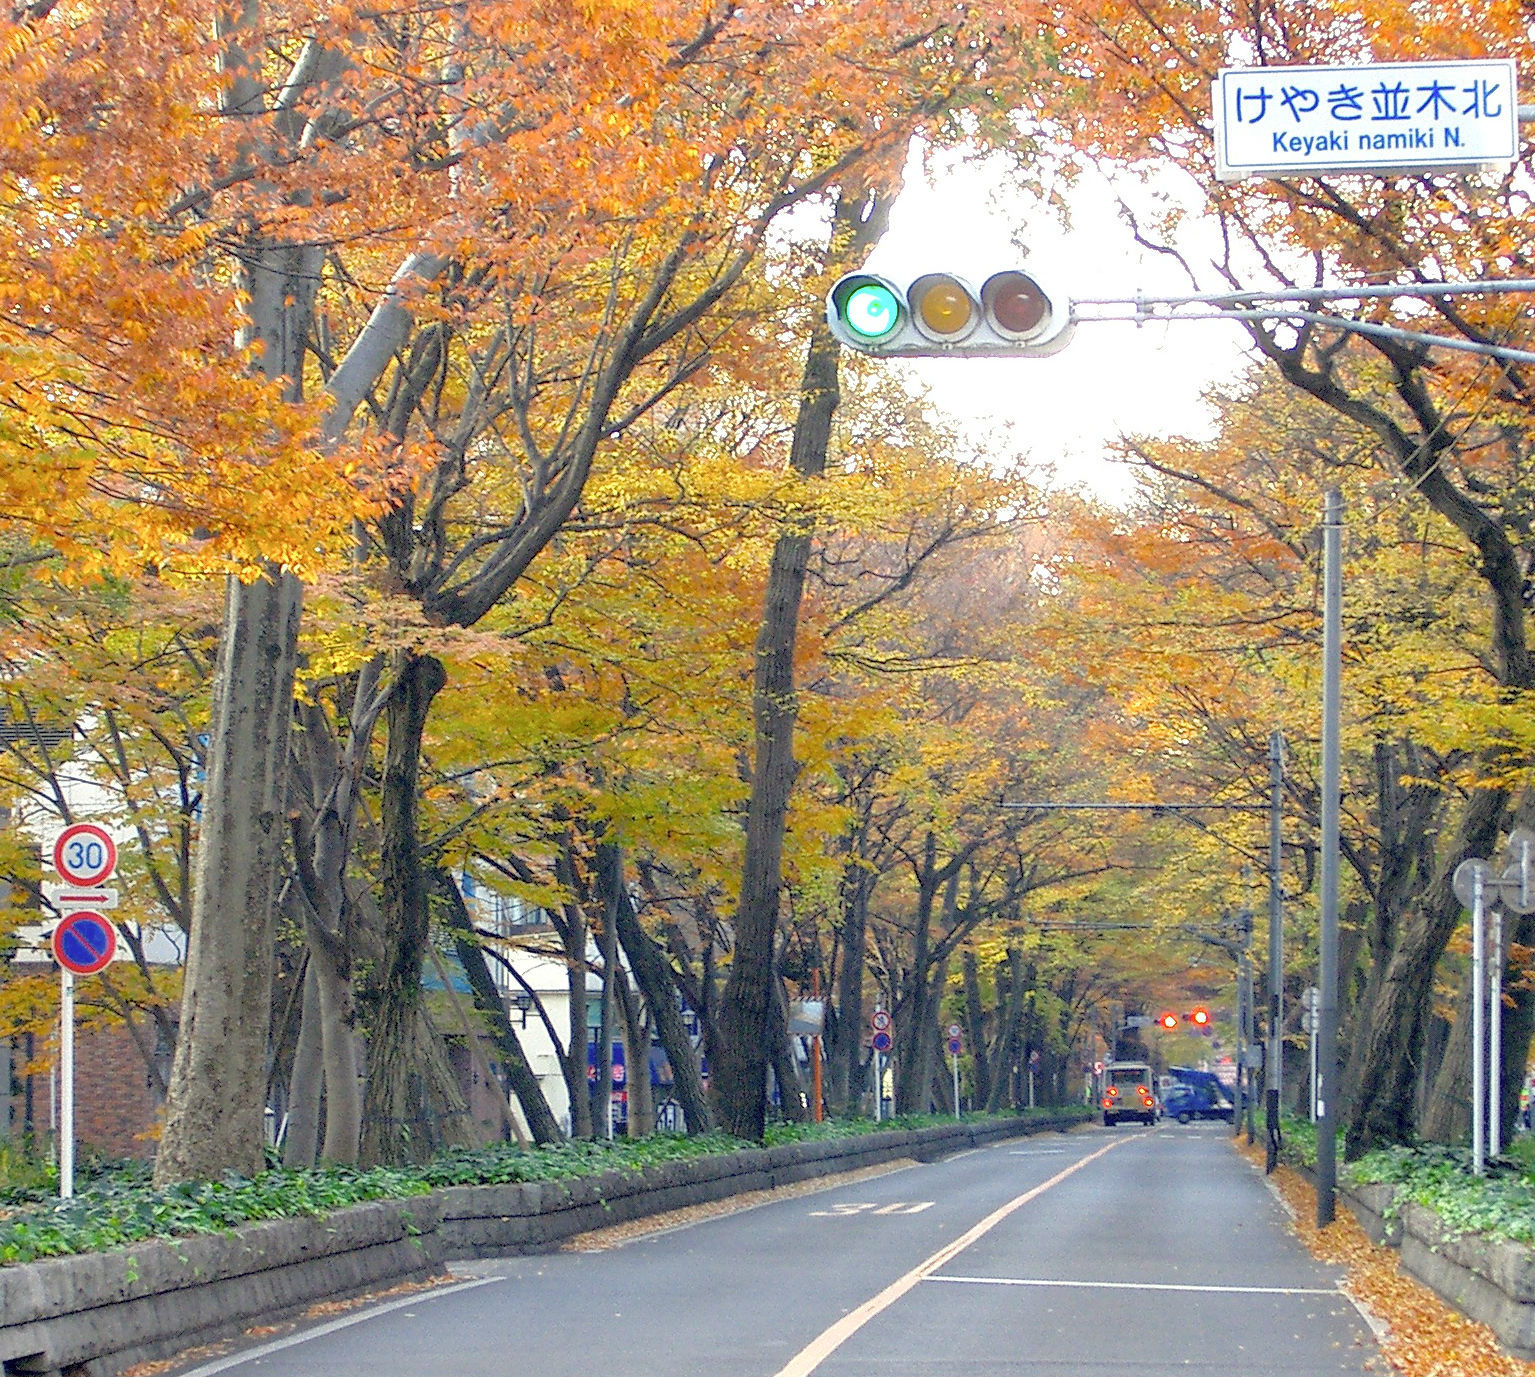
point(940, 315)
point(1167, 1021)
point(1200, 1017)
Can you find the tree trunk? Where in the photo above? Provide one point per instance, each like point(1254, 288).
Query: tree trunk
point(928, 1040)
point(215, 1108)
point(302, 1139)
point(641, 1115)
point(911, 1092)
point(845, 1054)
point(975, 1020)
point(1383, 1111)
point(572, 931)
point(740, 1069)
point(653, 975)
point(413, 1107)
point(791, 1090)
point(520, 1079)
point(1006, 1048)
point(215, 1112)
point(609, 881)
point(1409, 814)
point(342, 1055)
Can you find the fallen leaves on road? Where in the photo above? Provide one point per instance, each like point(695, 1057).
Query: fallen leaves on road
point(1423, 1336)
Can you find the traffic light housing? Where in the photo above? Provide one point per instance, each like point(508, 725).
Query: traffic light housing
point(940, 315)
point(1168, 1021)
point(1200, 1017)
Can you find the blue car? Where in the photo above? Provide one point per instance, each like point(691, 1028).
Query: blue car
point(1188, 1102)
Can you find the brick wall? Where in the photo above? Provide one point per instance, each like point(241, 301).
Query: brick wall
point(116, 1106)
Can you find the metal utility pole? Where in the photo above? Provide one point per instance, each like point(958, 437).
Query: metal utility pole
point(1327, 1106)
point(1273, 1065)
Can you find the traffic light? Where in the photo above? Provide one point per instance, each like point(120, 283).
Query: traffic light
point(1200, 1017)
point(1168, 1021)
point(943, 316)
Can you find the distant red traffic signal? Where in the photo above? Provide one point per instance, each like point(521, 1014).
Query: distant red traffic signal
point(1200, 1017)
point(1168, 1021)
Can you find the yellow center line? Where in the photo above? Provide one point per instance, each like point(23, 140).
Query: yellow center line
point(819, 1349)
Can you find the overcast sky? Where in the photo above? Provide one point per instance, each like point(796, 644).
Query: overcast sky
point(1112, 376)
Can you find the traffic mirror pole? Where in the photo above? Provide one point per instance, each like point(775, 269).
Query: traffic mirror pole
point(1274, 1064)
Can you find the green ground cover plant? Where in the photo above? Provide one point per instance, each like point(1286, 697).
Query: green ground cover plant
point(117, 1206)
point(1500, 1204)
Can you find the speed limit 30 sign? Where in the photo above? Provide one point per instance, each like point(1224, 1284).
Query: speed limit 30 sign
point(85, 854)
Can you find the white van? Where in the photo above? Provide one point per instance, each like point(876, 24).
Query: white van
point(1128, 1093)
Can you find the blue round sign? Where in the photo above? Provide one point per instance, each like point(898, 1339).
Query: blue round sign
point(882, 1041)
point(84, 942)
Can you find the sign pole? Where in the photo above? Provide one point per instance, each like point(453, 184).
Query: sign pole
point(1495, 1038)
point(66, 1083)
point(1478, 1031)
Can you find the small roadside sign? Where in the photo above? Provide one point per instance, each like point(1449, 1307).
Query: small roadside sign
point(79, 896)
point(85, 854)
point(84, 942)
point(879, 1020)
point(882, 1041)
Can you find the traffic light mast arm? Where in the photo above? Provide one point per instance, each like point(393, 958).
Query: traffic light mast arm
point(1272, 306)
point(940, 316)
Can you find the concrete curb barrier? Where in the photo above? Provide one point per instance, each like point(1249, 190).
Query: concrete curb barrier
point(95, 1314)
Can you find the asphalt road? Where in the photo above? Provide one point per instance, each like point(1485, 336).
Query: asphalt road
point(1097, 1252)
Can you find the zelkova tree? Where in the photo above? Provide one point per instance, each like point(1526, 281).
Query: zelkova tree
point(474, 226)
point(541, 352)
point(167, 420)
point(1453, 430)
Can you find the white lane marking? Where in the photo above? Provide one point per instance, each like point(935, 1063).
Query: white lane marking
point(1145, 1286)
point(370, 1312)
point(1038, 1152)
point(816, 1352)
point(848, 1208)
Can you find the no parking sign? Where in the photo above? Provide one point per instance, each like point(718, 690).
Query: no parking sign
point(84, 942)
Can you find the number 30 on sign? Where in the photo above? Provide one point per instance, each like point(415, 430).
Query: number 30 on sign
point(85, 854)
